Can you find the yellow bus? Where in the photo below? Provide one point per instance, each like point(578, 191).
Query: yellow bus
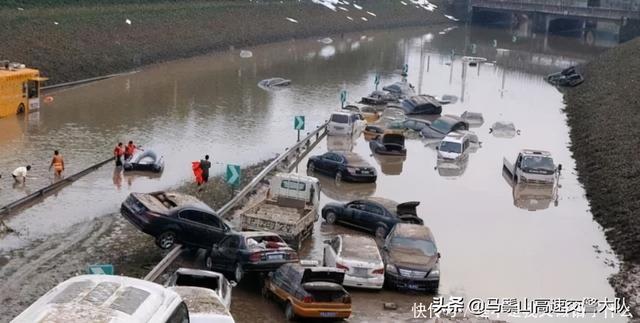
point(19, 89)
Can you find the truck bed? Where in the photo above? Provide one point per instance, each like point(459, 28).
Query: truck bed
point(271, 215)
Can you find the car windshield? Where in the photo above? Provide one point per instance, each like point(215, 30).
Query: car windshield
point(538, 163)
point(441, 126)
point(340, 118)
point(450, 147)
point(424, 246)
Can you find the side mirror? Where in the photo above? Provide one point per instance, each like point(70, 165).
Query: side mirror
point(233, 283)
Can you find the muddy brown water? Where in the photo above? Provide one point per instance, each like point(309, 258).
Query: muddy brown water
point(491, 244)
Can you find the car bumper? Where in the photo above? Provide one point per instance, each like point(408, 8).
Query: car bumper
point(359, 178)
point(417, 284)
point(322, 312)
point(375, 282)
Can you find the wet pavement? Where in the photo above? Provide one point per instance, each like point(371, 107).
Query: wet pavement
point(491, 245)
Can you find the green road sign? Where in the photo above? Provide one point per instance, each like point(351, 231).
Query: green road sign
point(104, 269)
point(343, 96)
point(298, 123)
point(232, 176)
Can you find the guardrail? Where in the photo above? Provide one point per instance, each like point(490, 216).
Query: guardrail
point(557, 8)
point(300, 149)
point(80, 82)
point(48, 189)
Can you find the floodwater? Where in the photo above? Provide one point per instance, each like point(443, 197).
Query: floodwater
point(491, 245)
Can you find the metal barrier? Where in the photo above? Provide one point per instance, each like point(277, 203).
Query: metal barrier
point(48, 189)
point(300, 149)
point(80, 82)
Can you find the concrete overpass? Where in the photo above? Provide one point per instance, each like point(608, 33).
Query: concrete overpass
point(584, 18)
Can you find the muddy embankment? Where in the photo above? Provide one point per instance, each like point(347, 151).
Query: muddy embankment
point(70, 42)
point(26, 274)
point(604, 116)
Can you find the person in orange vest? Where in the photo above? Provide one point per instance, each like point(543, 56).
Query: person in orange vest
point(57, 162)
point(129, 150)
point(197, 172)
point(118, 152)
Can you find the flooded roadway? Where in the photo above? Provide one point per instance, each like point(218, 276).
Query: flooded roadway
point(490, 247)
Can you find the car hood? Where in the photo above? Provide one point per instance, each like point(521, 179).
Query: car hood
point(333, 205)
point(412, 259)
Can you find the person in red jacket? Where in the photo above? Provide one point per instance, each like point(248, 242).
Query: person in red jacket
point(129, 150)
point(197, 171)
point(118, 152)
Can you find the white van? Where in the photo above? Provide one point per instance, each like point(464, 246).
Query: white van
point(106, 298)
point(455, 145)
point(345, 123)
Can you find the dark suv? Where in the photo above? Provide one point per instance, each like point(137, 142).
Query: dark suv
point(173, 217)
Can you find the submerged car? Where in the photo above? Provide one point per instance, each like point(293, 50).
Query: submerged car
point(532, 166)
point(369, 113)
point(504, 129)
point(410, 124)
point(421, 104)
point(400, 90)
point(359, 257)
point(345, 123)
point(474, 119)
point(344, 166)
point(309, 292)
point(214, 281)
point(391, 114)
point(374, 214)
point(372, 132)
point(442, 126)
point(379, 98)
point(456, 145)
point(173, 217)
point(411, 258)
point(274, 83)
point(567, 77)
point(389, 144)
point(249, 252)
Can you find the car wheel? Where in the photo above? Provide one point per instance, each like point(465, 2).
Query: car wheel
point(238, 272)
point(381, 232)
point(311, 167)
point(330, 217)
point(208, 262)
point(21, 109)
point(166, 240)
point(289, 313)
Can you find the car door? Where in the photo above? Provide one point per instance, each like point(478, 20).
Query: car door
point(370, 217)
point(330, 252)
point(228, 252)
point(192, 229)
point(325, 163)
point(351, 212)
point(215, 229)
point(333, 163)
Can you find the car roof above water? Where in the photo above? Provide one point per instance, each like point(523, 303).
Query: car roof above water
point(415, 231)
point(165, 202)
point(454, 137)
point(102, 298)
point(359, 248)
point(534, 152)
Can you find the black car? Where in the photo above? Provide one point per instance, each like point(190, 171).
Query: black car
point(344, 166)
point(244, 252)
point(411, 258)
point(389, 144)
point(421, 104)
point(442, 126)
point(400, 90)
point(376, 215)
point(173, 217)
point(378, 98)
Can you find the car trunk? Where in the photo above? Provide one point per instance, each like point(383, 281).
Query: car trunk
point(393, 142)
point(325, 292)
point(408, 208)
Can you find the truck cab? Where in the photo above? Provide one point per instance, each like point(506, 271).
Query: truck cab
point(533, 166)
point(19, 89)
point(292, 189)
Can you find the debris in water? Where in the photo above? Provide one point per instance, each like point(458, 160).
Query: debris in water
point(390, 306)
point(327, 51)
point(363, 37)
point(20, 9)
point(275, 83)
point(128, 21)
point(55, 23)
point(292, 20)
point(424, 4)
point(326, 40)
point(428, 37)
point(364, 19)
point(404, 3)
point(246, 54)
point(343, 8)
point(357, 6)
point(451, 18)
point(349, 18)
point(355, 45)
point(371, 13)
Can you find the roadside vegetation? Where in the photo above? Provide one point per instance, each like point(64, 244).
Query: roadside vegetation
point(604, 117)
point(72, 39)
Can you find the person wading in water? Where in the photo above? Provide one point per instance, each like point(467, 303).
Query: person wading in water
point(57, 162)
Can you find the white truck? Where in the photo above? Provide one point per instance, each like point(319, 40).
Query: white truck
point(289, 209)
point(532, 166)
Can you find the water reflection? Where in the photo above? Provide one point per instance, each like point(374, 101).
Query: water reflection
point(390, 165)
point(535, 197)
point(340, 143)
point(343, 191)
point(452, 168)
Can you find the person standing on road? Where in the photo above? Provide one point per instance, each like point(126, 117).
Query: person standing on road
point(57, 162)
point(118, 152)
point(205, 164)
point(20, 174)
